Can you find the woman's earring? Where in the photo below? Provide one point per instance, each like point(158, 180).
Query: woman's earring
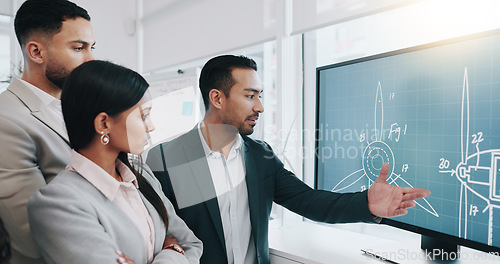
point(104, 138)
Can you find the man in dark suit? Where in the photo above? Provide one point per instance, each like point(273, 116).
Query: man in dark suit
point(223, 183)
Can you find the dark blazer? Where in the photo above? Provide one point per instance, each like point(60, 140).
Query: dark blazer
point(182, 169)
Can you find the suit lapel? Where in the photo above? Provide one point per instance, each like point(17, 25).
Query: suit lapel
point(37, 108)
point(213, 209)
point(201, 174)
point(253, 190)
point(157, 223)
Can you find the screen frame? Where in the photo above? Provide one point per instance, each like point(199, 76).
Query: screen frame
point(391, 222)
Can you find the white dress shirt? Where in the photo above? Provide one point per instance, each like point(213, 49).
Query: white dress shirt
point(48, 100)
point(228, 176)
point(124, 194)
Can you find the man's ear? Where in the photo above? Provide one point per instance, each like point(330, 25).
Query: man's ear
point(102, 123)
point(34, 52)
point(216, 98)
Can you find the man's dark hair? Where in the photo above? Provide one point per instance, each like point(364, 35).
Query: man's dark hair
point(216, 74)
point(44, 17)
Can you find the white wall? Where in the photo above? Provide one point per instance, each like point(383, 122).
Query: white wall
point(178, 31)
point(6, 7)
point(309, 15)
point(113, 22)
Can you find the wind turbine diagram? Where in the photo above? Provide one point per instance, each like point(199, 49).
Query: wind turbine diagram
point(478, 173)
point(377, 153)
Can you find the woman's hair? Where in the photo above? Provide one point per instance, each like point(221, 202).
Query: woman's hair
point(101, 86)
point(5, 252)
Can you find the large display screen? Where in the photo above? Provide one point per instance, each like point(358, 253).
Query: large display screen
point(433, 113)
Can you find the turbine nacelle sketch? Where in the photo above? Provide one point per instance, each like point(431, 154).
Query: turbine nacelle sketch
point(478, 173)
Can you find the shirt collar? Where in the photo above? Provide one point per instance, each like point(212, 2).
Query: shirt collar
point(98, 177)
point(238, 142)
point(46, 98)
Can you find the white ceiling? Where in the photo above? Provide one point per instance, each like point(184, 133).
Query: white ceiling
point(6, 7)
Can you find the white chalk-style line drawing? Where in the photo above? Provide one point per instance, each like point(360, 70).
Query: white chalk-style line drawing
point(479, 180)
point(376, 154)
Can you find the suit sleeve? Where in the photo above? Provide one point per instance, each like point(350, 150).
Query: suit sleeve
point(192, 246)
point(317, 205)
point(67, 228)
point(20, 177)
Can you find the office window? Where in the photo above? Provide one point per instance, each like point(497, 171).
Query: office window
point(4, 52)
point(265, 57)
point(411, 25)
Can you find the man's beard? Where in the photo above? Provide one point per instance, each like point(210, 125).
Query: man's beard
point(57, 74)
point(233, 125)
point(246, 131)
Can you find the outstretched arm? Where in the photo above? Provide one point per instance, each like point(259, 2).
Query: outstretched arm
point(385, 200)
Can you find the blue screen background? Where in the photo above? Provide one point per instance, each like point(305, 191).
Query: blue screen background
point(421, 93)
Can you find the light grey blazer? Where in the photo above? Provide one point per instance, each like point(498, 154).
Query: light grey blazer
point(33, 149)
point(73, 222)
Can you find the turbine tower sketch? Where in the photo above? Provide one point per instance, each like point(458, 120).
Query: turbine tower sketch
point(377, 153)
point(478, 173)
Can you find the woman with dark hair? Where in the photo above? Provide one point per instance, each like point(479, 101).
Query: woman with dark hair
point(101, 205)
point(5, 253)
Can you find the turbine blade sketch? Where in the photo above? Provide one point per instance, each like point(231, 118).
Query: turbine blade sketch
point(285, 144)
point(465, 119)
point(379, 109)
point(349, 180)
point(462, 212)
point(375, 154)
point(379, 152)
point(424, 205)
